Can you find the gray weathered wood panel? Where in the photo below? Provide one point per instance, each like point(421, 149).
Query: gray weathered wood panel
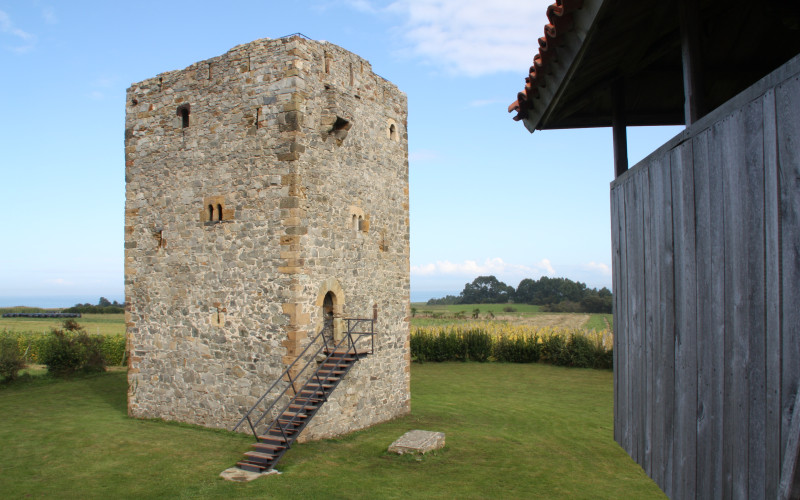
point(683, 222)
point(772, 431)
point(787, 102)
point(706, 257)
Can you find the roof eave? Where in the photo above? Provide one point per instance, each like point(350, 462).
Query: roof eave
point(568, 53)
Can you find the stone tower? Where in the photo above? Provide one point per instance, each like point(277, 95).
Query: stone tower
point(263, 186)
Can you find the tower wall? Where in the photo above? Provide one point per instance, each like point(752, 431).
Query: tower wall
point(244, 174)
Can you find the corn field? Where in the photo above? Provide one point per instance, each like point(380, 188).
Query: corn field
point(505, 342)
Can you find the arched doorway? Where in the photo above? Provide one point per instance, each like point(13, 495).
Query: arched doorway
point(330, 301)
point(328, 316)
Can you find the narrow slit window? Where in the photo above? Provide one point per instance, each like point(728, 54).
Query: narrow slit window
point(183, 112)
point(219, 212)
point(355, 223)
point(211, 213)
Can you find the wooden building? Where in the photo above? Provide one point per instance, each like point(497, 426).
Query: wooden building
point(705, 230)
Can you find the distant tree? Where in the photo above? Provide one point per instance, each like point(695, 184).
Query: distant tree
point(444, 301)
point(525, 291)
point(597, 301)
point(103, 302)
point(554, 291)
point(486, 290)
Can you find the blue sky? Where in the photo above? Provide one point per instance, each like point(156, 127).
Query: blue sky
point(487, 197)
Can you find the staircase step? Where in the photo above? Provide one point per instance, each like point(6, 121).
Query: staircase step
point(271, 437)
point(324, 386)
point(302, 400)
point(251, 467)
point(258, 457)
point(349, 352)
point(303, 407)
point(293, 417)
point(293, 414)
point(269, 448)
point(331, 373)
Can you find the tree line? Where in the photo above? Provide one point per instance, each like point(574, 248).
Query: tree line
point(553, 294)
point(103, 306)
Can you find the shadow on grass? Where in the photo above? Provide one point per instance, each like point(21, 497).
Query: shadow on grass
point(111, 388)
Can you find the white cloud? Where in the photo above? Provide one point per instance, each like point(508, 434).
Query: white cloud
point(362, 6)
point(49, 15)
point(473, 37)
point(493, 266)
point(603, 269)
point(7, 27)
point(100, 85)
point(546, 268)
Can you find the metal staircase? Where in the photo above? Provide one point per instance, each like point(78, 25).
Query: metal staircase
point(325, 363)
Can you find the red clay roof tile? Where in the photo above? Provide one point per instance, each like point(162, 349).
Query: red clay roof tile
point(561, 21)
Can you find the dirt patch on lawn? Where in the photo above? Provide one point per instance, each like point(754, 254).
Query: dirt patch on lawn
point(552, 320)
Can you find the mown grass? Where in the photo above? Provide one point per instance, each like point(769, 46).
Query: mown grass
point(600, 322)
point(496, 309)
point(444, 315)
point(95, 324)
point(513, 431)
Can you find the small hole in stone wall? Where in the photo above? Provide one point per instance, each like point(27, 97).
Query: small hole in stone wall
point(340, 128)
point(134, 101)
point(393, 132)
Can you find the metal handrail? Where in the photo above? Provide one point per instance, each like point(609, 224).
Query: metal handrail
point(351, 324)
point(351, 345)
point(279, 379)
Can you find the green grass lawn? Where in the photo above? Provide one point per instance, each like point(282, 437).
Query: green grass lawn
point(102, 324)
point(442, 315)
point(600, 322)
point(513, 431)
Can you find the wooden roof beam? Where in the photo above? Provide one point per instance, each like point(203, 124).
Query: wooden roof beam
point(694, 102)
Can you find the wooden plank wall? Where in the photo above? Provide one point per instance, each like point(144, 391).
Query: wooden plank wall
point(706, 258)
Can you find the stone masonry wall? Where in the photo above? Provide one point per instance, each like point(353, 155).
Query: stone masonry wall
point(246, 175)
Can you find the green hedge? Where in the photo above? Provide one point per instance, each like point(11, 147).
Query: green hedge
point(32, 346)
point(573, 349)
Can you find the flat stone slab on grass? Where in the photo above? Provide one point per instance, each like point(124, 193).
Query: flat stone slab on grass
point(244, 476)
point(418, 442)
